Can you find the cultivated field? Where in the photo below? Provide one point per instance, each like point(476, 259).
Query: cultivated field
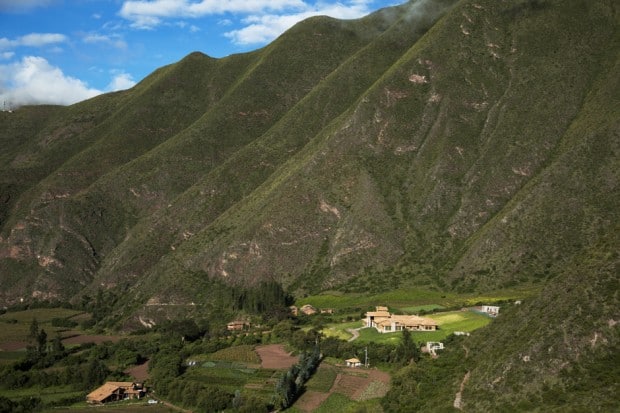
point(15, 326)
point(274, 356)
point(333, 388)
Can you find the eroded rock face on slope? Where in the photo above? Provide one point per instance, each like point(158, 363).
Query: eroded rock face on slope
point(431, 147)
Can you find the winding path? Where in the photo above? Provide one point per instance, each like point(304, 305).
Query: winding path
point(355, 332)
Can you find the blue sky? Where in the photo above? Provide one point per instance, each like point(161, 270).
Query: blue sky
point(65, 51)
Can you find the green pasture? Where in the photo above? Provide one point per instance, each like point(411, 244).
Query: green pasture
point(8, 357)
point(460, 321)
point(15, 326)
point(242, 353)
point(336, 402)
point(48, 395)
point(323, 379)
point(235, 375)
point(43, 315)
point(417, 308)
point(340, 301)
point(411, 299)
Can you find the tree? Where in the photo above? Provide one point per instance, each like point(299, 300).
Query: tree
point(95, 373)
point(58, 348)
point(283, 330)
point(407, 351)
point(42, 342)
point(126, 357)
point(403, 396)
point(34, 330)
point(286, 389)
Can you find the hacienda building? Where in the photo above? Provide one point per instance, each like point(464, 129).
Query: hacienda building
point(385, 322)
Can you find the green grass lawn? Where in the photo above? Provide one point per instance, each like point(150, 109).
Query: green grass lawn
point(371, 335)
point(339, 330)
point(449, 322)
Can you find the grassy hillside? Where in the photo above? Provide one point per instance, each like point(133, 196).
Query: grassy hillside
point(424, 144)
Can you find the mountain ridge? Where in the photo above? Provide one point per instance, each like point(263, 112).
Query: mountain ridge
point(398, 144)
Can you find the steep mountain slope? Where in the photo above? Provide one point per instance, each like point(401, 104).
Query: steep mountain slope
point(557, 351)
point(449, 170)
point(70, 220)
point(438, 143)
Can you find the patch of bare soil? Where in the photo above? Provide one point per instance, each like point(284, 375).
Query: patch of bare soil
point(274, 356)
point(350, 383)
point(12, 345)
point(140, 373)
point(311, 400)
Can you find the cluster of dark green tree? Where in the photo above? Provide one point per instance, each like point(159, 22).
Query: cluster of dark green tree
point(291, 384)
point(267, 298)
point(40, 351)
point(24, 405)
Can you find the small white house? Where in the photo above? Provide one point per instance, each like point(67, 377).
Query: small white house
point(354, 362)
point(491, 310)
point(433, 346)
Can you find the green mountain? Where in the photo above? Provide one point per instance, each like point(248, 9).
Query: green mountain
point(463, 146)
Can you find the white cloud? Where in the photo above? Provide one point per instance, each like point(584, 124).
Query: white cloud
point(7, 55)
point(41, 39)
point(96, 38)
point(146, 14)
point(114, 40)
point(33, 40)
point(264, 28)
point(34, 81)
point(121, 81)
point(266, 19)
